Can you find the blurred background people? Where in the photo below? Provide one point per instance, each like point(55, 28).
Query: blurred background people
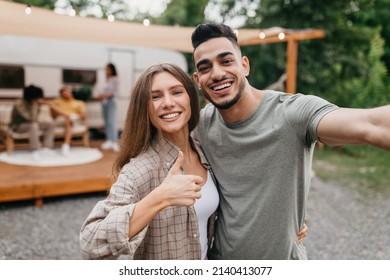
point(67, 111)
point(25, 113)
point(110, 91)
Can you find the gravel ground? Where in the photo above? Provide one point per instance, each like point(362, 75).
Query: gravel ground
point(49, 232)
point(343, 224)
point(346, 223)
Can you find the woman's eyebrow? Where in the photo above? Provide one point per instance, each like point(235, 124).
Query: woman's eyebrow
point(170, 88)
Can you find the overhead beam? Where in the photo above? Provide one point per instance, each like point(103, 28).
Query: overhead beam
point(298, 35)
point(292, 49)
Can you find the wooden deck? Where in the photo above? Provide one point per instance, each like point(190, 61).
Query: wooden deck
point(35, 183)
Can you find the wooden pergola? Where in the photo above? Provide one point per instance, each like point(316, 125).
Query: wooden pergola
point(281, 35)
point(47, 24)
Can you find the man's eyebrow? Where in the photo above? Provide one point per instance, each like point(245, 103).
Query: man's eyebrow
point(219, 56)
point(203, 61)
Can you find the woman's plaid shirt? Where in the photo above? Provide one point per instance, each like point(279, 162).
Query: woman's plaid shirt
point(172, 234)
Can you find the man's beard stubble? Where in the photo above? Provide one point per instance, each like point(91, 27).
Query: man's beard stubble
point(228, 104)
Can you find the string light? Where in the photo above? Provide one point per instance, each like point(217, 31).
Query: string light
point(72, 12)
point(281, 36)
point(261, 35)
point(111, 18)
point(28, 9)
point(236, 32)
point(146, 22)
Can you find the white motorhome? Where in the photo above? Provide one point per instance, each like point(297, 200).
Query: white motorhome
point(52, 63)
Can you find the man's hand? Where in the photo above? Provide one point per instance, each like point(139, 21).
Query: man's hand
point(302, 233)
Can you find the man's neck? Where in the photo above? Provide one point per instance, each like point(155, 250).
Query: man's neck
point(245, 107)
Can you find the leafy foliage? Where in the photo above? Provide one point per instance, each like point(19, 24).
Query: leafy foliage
point(48, 4)
point(183, 13)
point(344, 65)
point(370, 88)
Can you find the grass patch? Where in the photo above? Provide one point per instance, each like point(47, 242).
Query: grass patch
point(364, 167)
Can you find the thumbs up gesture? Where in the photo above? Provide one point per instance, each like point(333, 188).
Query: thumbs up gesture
point(178, 189)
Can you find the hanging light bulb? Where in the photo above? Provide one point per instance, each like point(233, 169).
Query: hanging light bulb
point(146, 22)
point(261, 35)
point(111, 18)
point(28, 9)
point(72, 12)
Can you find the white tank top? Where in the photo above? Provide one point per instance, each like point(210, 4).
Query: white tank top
point(204, 207)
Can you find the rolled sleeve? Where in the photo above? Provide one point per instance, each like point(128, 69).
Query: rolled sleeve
point(104, 234)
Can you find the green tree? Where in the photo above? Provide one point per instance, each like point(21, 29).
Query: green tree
point(326, 67)
point(377, 14)
point(48, 4)
point(370, 89)
point(231, 10)
point(183, 13)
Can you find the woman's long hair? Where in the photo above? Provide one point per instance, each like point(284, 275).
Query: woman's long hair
point(138, 133)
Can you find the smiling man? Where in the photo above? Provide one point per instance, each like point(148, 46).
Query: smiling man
point(260, 145)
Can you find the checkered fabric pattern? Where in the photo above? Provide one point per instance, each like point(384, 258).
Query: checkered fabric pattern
point(172, 234)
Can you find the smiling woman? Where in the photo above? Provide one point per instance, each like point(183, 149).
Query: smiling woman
point(170, 108)
point(155, 209)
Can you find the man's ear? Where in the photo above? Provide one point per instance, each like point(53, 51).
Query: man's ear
point(245, 65)
point(196, 79)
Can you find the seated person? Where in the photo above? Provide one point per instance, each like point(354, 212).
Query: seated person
point(24, 119)
point(67, 111)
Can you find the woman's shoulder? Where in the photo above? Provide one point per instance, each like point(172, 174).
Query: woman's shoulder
point(142, 164)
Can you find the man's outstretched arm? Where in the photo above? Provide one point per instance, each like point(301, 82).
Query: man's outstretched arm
point(356, 127)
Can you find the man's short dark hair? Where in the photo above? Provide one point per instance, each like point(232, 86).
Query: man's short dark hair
point(205, 32)
point(32, 92)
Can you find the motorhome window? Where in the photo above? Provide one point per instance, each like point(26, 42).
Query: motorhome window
point(75, 76)
point(11, 76)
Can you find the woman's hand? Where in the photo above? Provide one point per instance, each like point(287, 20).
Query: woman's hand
point(178, 189)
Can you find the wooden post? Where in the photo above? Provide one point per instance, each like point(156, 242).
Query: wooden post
point(9, 143)
point(292, 59)
point(38, 202)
